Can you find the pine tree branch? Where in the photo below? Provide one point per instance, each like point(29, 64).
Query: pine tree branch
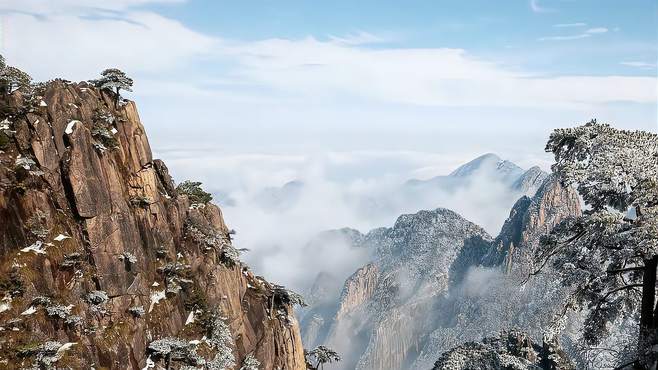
point(630, 286)
point(617, 271)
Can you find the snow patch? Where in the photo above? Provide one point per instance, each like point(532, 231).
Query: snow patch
point(65, 347)
point(156, 298)
point(5, 306)
point(190, 318)
point(61, 237)
point(69, 127)
point(149, 364)
point(38, 248)
point(29, 311)
point(43, 104)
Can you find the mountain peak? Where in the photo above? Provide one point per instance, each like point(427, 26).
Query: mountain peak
point(489, 163)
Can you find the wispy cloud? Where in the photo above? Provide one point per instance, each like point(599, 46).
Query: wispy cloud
point(359, 38)
point(570, 25)
point(534, 5)
point(587, 33)
point(596, 30)
point(639, 64)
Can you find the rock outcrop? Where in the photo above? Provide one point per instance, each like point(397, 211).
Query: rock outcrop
point(510, 350)
point(104, 264)
point(529, 219)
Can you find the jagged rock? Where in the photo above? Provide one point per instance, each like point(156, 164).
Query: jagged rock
point(530, 181)
point(113, 247)
point(529, 219)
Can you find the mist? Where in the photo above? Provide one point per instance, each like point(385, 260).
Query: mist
point(279, 203)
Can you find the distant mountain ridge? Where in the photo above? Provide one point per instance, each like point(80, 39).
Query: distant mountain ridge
point(492, 166)
point(397, 310)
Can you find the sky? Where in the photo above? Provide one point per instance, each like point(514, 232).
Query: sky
point(299, 77)
point(347, 94)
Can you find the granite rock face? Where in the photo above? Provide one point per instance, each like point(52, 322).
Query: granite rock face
point(101, 257)
point(529, 219)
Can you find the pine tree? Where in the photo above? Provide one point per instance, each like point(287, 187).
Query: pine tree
point(321, 355)
point(610, 253)
point(115, 80)
point(12, 78)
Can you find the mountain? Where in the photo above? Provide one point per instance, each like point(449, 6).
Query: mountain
point(437, 280)
point(277, 199)
point(105, 263)
point(490, 163)
point(489, 166)
point(382, 305)
point(530, 181)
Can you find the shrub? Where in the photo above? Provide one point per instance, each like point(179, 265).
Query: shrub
point(194, 192)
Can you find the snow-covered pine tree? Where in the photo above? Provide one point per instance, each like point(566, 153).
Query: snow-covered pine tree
point(115, 80)
point(610, 253)
point(12, 78)
point(321, 355)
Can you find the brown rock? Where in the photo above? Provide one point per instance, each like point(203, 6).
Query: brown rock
point(88, 218)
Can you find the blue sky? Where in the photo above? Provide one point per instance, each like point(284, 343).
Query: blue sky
point(310, 78)
point(504, 30)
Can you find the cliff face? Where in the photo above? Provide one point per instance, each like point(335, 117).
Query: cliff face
point(100, 257)
point(529, 219)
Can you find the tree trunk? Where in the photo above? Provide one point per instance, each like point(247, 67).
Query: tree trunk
point(648, 322)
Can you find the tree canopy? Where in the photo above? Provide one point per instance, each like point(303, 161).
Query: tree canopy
point(115, 80)
point(321, 355)
point(194, 192)
point(610, 253)
point(12, 78)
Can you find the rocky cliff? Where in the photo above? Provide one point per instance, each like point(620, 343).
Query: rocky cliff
point(529, 219)
point(104, 263)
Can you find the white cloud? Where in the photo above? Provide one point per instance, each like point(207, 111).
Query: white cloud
point(569, 25)
point(586, 34)
point(639, 64)
point(147, 44)
point(78, 47)
point(596, 30)
point(432, 77)
point(48, 7)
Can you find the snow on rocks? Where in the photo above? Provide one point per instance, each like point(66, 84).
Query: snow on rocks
point(156, 298)
point(70, 126)
point(61, 237)
point(190, 318)
point(38, 248)
point(29, 311)
point(5, 306)
point(25, 162)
